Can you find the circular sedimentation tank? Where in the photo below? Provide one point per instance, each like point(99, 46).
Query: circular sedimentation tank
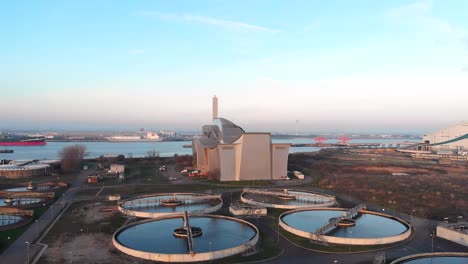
point(154, 239)
point(39, 187)
point(11, 217)
point(21, 201)
point(434, 258)
point(286, 199)
point(156, 205)
point(6, 219)
point(365, 228)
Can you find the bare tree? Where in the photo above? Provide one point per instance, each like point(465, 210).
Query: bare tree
point(71, 157)
point(152, 154)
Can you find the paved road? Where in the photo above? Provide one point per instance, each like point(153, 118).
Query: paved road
point(18, 251)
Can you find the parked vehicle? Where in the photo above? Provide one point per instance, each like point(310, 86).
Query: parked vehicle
point(184, 171)
point(194, 174)
point(299, 175)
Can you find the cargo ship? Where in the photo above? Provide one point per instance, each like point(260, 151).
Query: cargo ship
point(17, 140)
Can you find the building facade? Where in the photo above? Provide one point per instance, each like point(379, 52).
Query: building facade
point(226, 152)
point(450, 138)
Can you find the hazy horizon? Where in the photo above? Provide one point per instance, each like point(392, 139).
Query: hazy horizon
point(343, 67)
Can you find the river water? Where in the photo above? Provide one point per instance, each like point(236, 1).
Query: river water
point(141, 149)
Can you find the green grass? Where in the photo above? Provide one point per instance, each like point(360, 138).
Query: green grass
point(7, 237)
point(315, 175)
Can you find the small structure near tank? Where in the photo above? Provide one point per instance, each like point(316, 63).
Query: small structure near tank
point(456, 232)
point(239, 209)
point(117, 168)
point(113, 197)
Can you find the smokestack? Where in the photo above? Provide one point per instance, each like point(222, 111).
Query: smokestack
point(215, 107)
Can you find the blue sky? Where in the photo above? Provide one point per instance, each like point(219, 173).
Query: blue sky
point(332, 65)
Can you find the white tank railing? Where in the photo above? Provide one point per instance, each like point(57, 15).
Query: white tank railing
point(188, 228)
point(332, 223)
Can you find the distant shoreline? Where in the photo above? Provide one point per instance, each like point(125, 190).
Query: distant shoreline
point(114, 141)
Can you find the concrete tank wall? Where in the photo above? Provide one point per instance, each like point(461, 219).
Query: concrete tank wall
point(285, 206)
point(427, 255)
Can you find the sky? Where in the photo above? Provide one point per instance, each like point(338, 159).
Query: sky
point(335, 66)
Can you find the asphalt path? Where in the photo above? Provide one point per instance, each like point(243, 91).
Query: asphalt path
point(23, 249)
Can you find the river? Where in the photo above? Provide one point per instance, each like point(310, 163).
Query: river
point(141, 149)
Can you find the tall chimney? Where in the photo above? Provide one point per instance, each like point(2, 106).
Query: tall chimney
point(215, 107)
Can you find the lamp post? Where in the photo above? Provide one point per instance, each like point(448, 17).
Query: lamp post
point(51, 211)
point(432, 242)
point(37, 228)
point(278, 231)
point(27, 243)
point(411, 216)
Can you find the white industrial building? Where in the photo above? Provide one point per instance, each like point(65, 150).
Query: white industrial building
point(450, 138)
point(228, 153)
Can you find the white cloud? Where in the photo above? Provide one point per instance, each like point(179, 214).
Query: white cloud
point(419, 14)
point(136, 51)
point(417, 7)
point(313, 26)
point(226, 24)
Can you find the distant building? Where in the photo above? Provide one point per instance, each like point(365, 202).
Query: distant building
point(116, 168)
point(228, 153)
point(167, 133)
point(450, 138)
point(152, 135)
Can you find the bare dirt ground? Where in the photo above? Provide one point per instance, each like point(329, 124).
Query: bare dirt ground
point(90, 214)
point(85, 248)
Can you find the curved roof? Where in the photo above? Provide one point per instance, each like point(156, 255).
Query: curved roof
point(230, 132)
point(206, 142)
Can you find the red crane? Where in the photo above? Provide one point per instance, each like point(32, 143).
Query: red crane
point(319, 140)
point(344, 140)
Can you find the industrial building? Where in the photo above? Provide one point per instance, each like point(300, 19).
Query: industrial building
point(226, 152)
point(450, 138)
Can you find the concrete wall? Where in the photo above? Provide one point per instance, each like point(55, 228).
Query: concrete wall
point(212, 160)
point(255, 157)
point(447, 232)
point(279, 160)
point(187, 257)
point(343, 240)
point(227, 158)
